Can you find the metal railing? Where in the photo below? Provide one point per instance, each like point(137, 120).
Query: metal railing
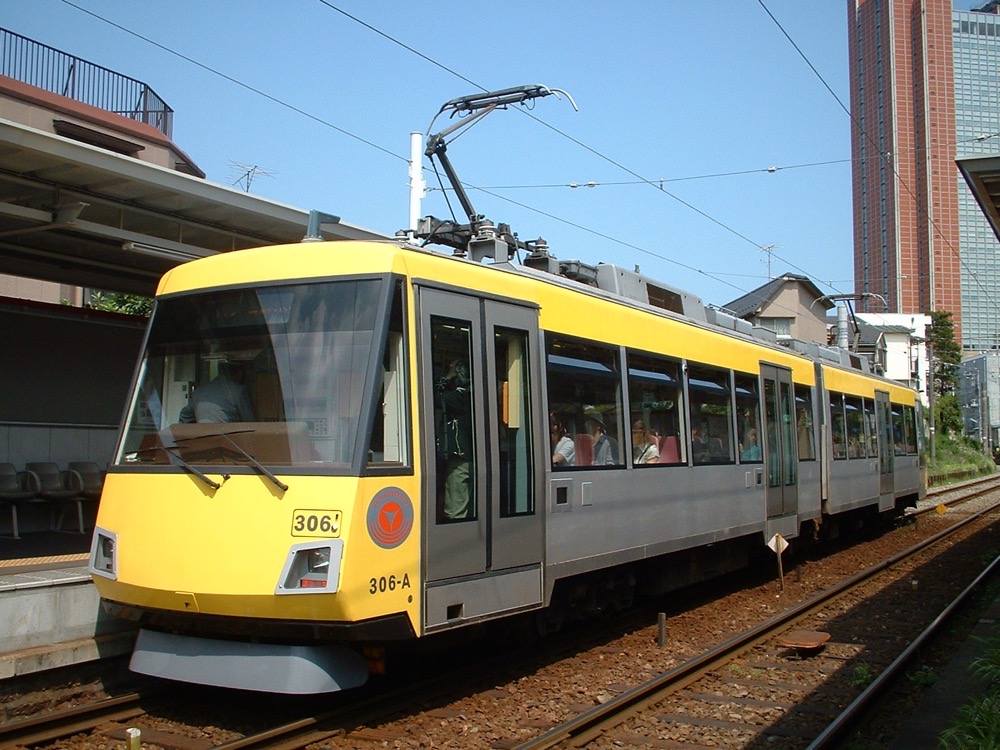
point(47, 68)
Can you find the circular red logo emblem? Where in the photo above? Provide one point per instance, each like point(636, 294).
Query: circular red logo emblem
point(390, 518)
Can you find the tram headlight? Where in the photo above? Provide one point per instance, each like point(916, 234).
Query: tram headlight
point(103, 554)
point(319, 560)
point(312, 567)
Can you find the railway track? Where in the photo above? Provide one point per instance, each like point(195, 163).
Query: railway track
point(958, 493)
point(756, 662)
point(56, 725)
point(780, 680)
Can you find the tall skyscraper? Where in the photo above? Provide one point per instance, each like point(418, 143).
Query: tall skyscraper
point(925, 89)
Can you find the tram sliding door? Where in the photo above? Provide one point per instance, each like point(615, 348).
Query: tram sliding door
point(481, 409)
point(780, 445)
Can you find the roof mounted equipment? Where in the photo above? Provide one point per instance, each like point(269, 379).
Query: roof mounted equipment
point(480, 237)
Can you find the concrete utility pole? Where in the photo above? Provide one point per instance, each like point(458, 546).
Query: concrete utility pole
point(930, 397)
point(418, 186)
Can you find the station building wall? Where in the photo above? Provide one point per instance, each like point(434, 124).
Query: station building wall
point(64, 381)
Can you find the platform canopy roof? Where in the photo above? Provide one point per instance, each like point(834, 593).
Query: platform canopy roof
point(982, 173)
point(80, 215)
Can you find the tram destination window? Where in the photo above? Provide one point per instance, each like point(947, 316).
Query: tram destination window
point(279, 374)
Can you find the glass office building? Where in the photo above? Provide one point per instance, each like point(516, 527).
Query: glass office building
point(977, 132)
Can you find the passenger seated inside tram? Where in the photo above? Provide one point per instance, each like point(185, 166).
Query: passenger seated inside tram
point(699, 449)
point(854, 448)
point(605, 446)
point(645, 444)
point(563, 448)
point(751, 449)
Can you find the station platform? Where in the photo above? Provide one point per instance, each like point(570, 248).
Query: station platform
point(44, 549)
point(50, 614)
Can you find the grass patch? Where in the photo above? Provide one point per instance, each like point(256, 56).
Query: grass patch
point(978, 724)
point(957, 457)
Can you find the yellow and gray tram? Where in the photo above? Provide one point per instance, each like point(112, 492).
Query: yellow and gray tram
point(335, 445)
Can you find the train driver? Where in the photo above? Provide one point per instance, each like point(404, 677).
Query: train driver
point(223, 399)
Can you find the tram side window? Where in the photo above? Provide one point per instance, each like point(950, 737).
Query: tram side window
point(748, 418)
point(854, 409)
point(804, 428)
point(584, 389)
point(838, 430)
point(898, 431)
point(654, 391)
point(872, 424)
point(389, 445)
point(710, 395)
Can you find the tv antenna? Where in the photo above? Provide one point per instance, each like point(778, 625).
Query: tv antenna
point(247, 173)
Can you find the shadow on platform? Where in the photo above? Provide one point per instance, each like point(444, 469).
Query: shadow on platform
point(44, 545)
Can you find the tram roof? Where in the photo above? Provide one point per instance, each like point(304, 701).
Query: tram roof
point(77, 214)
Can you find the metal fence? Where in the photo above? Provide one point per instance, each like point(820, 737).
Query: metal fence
point(47, 68)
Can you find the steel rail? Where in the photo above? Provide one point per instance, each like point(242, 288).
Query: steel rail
point(55, 725)
point(836, 730)
point(603, 714)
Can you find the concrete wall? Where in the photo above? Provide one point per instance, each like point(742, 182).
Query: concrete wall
point(53, 618)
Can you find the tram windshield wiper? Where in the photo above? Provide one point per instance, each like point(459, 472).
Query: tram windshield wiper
point(197, 472)
point(253, 461)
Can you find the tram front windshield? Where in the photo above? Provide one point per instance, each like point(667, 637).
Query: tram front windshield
point(276, 375)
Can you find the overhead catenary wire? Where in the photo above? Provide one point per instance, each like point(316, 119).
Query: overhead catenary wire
point(657, 184)
point(298, 110)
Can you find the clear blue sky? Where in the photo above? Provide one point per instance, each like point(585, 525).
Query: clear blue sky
point(669, 90)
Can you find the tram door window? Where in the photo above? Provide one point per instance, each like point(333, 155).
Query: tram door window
point(513, 423)
point(804, 428)
point(780, 466)
point(584, 384)
point(780, 441)
point(883, 434)
point(710, 396)
point(454, 423)
point(748, 419)
point(654, 387)
point(838, 430)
